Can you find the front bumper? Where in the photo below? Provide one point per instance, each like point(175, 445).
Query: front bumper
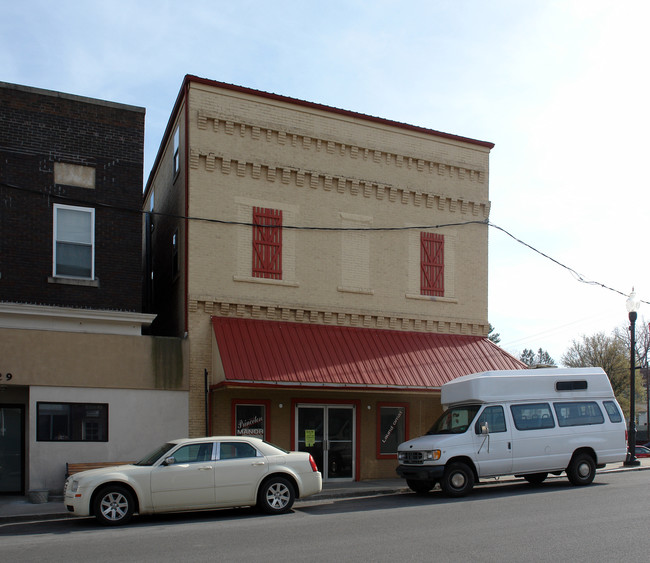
point(76, 502)
point(420, 472)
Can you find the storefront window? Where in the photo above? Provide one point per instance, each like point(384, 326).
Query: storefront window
point(392, 429)
point(72, 422)
point(250, 419)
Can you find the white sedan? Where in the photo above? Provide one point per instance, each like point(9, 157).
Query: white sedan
point(195, 474)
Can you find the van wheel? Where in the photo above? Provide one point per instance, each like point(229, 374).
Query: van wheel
point(536, 478)
point(457, 480)
point(581, 470)
point(420, 487)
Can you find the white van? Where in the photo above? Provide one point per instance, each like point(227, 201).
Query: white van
point(526, 423)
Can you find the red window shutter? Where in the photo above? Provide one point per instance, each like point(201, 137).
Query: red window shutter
point(432, 264)
point(267, 243)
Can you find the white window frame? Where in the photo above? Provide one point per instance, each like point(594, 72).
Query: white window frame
point(89, 210)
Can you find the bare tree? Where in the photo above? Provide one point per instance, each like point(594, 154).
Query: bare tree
point(642, 346)
point(642, 351)
point(607, 352)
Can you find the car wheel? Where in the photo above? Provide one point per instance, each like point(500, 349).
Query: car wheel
point(113, 505)
point(536, 478)
point(458, 480)
point(276, 496)
point(581, 470)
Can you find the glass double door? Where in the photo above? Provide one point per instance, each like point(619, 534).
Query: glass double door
point(327, 433)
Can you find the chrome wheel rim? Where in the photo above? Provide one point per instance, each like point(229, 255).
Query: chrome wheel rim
point(277, 496)
point(114, 506)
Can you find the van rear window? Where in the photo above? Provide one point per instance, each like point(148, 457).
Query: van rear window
point(578, 413)
point(612, 411)
point(570, 385)
point(532, 416)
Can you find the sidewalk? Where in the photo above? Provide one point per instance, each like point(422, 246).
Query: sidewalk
point(19, 509)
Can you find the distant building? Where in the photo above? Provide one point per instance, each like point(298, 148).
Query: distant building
point(329, 270)
point(78, 381)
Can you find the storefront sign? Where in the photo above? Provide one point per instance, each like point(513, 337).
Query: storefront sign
point(392, 423)
point(250, 420)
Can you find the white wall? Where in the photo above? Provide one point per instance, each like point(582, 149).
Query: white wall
point(138, 422)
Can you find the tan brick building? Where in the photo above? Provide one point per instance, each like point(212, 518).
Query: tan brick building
point(329, 270)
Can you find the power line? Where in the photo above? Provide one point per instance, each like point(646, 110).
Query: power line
point(579, 277)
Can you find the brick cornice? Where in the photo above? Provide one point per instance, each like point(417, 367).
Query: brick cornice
point(362, 319)
point(299, 177)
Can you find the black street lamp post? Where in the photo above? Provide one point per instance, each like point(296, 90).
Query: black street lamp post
point(632, 304)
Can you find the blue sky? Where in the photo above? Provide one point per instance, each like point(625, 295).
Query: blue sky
point(560, 87)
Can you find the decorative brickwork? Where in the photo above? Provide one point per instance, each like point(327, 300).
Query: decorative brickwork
point(296, 177)
point(313, 316)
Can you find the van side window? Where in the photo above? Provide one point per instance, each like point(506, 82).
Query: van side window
point(578, 413)
point(612, 411)
point(570, 385)
point(533, 416)
point(495, 419)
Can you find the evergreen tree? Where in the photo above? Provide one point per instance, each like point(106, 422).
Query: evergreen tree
point(541, 358)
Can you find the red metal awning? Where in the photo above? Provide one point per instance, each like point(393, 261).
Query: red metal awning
point(283, 353)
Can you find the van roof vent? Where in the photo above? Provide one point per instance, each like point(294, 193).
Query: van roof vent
point(570, 385)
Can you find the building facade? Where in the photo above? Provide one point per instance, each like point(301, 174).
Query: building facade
point(78, 380)
point(328, 269)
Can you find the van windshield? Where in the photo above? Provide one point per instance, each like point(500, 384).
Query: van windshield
point(455, 420)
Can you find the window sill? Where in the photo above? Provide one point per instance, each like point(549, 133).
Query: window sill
point(361, 290)
point(267, 281)
point(431, 298)
point(73, 281)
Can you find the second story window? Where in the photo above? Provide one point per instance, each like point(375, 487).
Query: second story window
point(177, 146)
point(432, 264)
point(267, 243)
point(74, 242)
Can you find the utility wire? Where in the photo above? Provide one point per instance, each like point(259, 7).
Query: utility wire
point(579, 277)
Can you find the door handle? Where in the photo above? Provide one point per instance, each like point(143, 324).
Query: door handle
point(258, 463)
point(208, 468)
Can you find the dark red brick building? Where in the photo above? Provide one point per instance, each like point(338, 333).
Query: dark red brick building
point(60, 155)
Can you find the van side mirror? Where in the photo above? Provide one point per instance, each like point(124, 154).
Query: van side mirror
point(485, 428)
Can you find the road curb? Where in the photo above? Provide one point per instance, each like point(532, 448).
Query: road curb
point(325, 495)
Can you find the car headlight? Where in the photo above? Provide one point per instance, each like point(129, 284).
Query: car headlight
point(433, 455)
point(74, 485)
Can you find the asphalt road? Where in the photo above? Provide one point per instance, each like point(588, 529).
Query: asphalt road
point(606, 521)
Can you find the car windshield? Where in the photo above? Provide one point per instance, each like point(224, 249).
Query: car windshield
point(455, 420)
point(154, 456)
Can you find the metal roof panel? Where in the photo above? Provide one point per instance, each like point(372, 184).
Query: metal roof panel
point(260, 351)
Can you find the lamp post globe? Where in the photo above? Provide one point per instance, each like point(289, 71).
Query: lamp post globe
point(632, 303)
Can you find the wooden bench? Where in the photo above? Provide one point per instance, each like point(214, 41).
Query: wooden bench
point(72, 468)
